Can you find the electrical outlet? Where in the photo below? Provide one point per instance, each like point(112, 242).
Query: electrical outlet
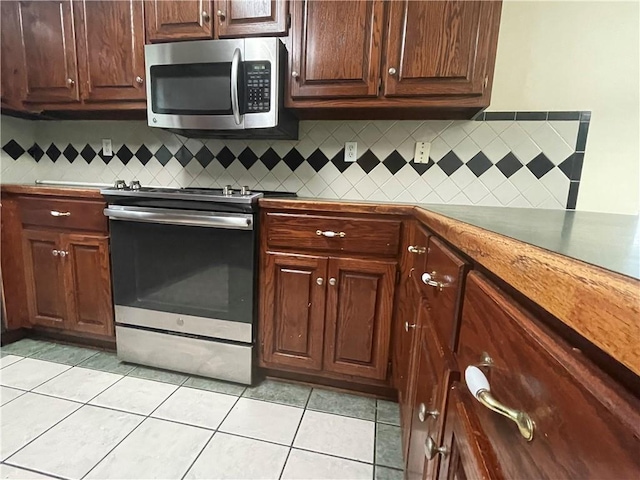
point(350, 151)
point(107, 149)
point(422, 152)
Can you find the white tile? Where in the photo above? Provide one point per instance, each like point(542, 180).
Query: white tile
point(282, 147)
point(281, 171)
point(438, 149)
point(353, 194)
point(519, 202)
point(460, 199)
point(292, 183)
point(526, 151)
point(226, 457)
point(329, 173)
point(405, 197)
point(236, 170)
point(419, 189)
point(530, 126)
point(432, 198)
point(568, 130)
point(558, 184)
point(407, 149)
point(78, 443)
point(466, 149)
point(315, 185)
point(28, 416)
point(336, 435)
point(194, 167)
point(476, 191)
point(156, 449)
point(434, 176)
point(463, 177)
point(354, 173)
point(469, 126)
point(500, 126)
point(305, 172)
point(406, 175)
point(424, 133)
point(135, 395)
point(380, 175)
point(513, 136)
point(384, 125)
point(328, 193)
point(552, 144)
point(523, 179)
point(392, 188)
point(196, 407)
point(332, 125)
point(453, 135)
point(366, 187)
point(490, 201)
point(340, 185)
point(397, 133)
point(330, 147)
point(536, 194)
point(382, 148)
point(439, 126)
point(263, 421)
point(368, 136)
point(378, 196)
point(269, 182)
point(319, 133)
point(259, 146)
point(496, 150)
point(236, 146)
point(79, 384)
point(303, 465)
point(14, 473)
point(505, 193)
point(7, 394)
point(306, 147)
point(214, 145)
point(9, 359)
point(258, 171)
point(29, 373)
point(344, 134)
point(492, 178)
point(552, 203)
point(447, 190)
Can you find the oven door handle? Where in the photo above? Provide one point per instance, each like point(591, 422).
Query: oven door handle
point(235, 104)
point(180, 217)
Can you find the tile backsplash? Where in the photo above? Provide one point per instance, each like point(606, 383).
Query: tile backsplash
point(519, 159)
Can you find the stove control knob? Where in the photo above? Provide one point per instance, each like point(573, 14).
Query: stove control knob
point(227, 191)
point(120, 185)
point(245, 190)
point(134, 185)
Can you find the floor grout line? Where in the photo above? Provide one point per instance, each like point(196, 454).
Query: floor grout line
point(28, 469)
point(304, 411)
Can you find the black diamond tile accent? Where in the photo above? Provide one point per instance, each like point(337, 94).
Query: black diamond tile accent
point(479, 164)
point(88, 153)
point(540, 165)
point(143, 154)
point(70, 153)
point(578, 161)
point(36, 152)
point(567, 165)
point(368, 161)
point(104, 158)
point(183, 155)
point(247, 157)
point(509, 165)
point(394, 162)
point(317, 160)
point(421, 168)
point(163, 155)
point(270, 158)
point(573, 195)
point(450, 163)
point(339, 163)
point(581, 143)
point(124, 154)
point(293, 159)
point(225, 157)
point(53, 152)
point(13, 149)
point(204, 156)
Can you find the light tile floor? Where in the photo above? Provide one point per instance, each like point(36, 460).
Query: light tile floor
point(74, 413)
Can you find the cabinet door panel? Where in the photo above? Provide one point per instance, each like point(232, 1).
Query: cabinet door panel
point(293, 307)
point(88, 275)
point(44, 272)
point(111, 49)
point(178, 20)
point(251, 18)
point(336, 48)
point(358, 322)
point(11, 61)
point(49, 44)
point(439, 47)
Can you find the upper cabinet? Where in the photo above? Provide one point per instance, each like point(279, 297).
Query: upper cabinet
point(11, 64)
point(251, 18)
point(178, 20)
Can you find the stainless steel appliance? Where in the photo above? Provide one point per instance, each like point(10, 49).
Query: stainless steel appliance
point(219, 88)
point(184, 278)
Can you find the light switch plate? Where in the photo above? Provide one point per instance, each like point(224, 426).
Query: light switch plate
point(422, 152)
point(107, 149)
point(350, 151)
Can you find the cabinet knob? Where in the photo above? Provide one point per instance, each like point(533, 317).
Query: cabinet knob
point(295, 74)
point(139, 79)
point(55, 252)
point(416, 249)
point(220, 15)
point(63, 253)
point(392, 71)
point(429, 279)
point(320, 280)
point(205, 16)
point(70, 82)
point(332, 281)
point(431, 449)
point(423, 413)
point(408, 326)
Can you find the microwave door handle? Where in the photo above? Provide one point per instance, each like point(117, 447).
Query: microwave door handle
point(235, 67)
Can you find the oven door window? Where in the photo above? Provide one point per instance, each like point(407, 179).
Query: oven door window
point(200, 271)
point(191, 89)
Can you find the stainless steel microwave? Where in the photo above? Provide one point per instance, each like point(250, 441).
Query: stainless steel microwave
point(219, 88)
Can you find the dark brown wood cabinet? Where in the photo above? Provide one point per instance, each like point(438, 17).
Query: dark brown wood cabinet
point(179, 20)
point(11, 65)
point(251, 18)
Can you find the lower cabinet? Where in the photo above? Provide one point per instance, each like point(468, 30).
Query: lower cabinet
point(68, 281)
point(326, 315)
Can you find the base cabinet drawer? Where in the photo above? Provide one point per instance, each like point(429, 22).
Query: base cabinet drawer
point(584, 426)
point(63, 213)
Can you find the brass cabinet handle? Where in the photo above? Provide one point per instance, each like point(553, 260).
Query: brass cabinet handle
point(392, 71)
point(206, 17)
point(55, 252)
point(416, 249)
point(55, 213)
point(423, 413)
point(220, 15)
point(332, 281)
point(408, 326)
point(295, 74)
point(431, 449)
point(139, 79)
point(320, 280)
point(479, 387)
point(63, 253)
point(71, 82)
point(330, 234)
point(428, 279)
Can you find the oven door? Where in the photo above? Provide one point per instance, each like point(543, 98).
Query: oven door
point(184, 272)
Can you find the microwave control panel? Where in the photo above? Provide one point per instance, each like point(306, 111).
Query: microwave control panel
point(258, 86)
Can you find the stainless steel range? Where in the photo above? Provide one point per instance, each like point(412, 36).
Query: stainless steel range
point(184, 277)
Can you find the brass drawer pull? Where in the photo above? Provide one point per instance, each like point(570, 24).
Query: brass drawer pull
point(408, 326)
point(479, 387)
point(330, 234)
point(431, 449)
point(423, 413)
point(429, 279)
point(416, 249)
point(55, 213)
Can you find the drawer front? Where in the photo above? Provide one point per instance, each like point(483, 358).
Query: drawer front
point(323, 233)
point(585, 427)
point(442, 282)
point(63, 213)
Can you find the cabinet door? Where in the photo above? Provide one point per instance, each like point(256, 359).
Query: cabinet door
point(246, 18)
point(89, 283)
point(336, 48)
point(440, 47)
point(358, 321)
point(111, 49)
point(292, 310)
point(178, 20)
point(44, 274)
point(49, 44)
point(14, 295)
point(11, 62)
